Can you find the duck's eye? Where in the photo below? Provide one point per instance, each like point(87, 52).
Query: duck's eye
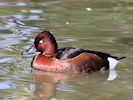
point(41, 41)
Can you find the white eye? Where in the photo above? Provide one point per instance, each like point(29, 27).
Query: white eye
point(41, 41)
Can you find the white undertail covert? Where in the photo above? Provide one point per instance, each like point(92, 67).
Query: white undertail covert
point(112, 72)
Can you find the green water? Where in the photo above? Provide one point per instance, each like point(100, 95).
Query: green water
point(104, 25)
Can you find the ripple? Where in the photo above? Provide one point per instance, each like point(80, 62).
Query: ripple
point(4, 86)
point(34, 17)
point(67, 39)
point(61, 87)
point(33, 11)
point(49, 3)
point(9, 40)
point(13, 4)
point(4, 4)
point(5, 60)
point(21, 4)
point(18, 16)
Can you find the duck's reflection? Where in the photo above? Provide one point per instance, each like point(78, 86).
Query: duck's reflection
point(45, 85)
point(45, 91)
point(47, 82)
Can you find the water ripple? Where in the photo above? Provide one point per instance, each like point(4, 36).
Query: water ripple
point(13, 4)
point(36, 11)
point(7, 60)
point(4, 85)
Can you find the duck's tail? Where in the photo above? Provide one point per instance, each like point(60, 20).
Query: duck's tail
point(119, 58)
point(113, 61)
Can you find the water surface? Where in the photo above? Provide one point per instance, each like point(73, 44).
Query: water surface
point(104, 25)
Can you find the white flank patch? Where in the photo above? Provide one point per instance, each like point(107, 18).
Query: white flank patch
point(112, 72)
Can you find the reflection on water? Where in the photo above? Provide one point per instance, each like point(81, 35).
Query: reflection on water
point(49, 84)
point(104, 25)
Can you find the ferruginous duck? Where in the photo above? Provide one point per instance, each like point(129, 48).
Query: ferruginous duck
point(52, 59)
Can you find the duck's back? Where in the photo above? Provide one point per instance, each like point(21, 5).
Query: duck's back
point(68, 53)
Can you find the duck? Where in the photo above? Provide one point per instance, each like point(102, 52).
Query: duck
point(69, 59)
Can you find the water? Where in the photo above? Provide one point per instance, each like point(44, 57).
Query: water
point(104, 25)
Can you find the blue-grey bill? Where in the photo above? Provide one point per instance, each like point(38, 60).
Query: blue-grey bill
point(30, 50)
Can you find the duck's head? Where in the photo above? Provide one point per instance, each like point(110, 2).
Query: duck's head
point(44, 43)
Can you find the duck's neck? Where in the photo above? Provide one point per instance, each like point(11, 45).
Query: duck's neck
point(51, 50)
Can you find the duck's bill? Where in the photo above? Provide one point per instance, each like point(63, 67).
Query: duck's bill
point(30, 50)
